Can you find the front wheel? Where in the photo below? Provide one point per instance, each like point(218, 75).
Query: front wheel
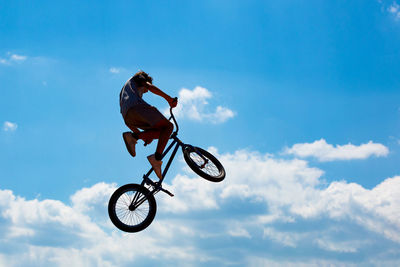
point(132, 208)
point(204, 163)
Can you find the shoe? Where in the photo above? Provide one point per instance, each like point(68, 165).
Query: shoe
point(130, 142)
point(156, 164)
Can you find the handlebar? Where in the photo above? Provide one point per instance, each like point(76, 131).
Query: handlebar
point(173, 117)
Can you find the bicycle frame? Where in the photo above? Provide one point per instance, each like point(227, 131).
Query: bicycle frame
point(156, 186)
point(177, 143)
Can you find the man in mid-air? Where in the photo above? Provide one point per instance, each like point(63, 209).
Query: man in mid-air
point(138, 114)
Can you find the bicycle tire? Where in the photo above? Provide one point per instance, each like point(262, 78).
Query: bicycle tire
point(214, 172)
point(136, 220)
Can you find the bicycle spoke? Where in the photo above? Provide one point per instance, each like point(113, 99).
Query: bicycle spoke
point(132, 217)
point(132, 208)
point(208, 168)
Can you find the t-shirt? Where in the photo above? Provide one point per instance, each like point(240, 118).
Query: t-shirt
point(129, 97)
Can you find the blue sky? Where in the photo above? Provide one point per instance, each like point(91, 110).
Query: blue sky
point(299, 100)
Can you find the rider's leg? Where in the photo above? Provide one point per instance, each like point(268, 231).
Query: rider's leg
point(136, 118)
point(165, 129)
point(156, 125)
point(162, 131)
point(149, 135)
point(130, 138)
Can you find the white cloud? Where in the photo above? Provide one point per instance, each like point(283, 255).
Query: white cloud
point(9, 126)
point(266, 208)
point(12, 58)
point(193, 104)
point(115, 70)
point(51, 233)
point(284, 238)
point(221, 115)
point(347, 247)
point(18, 58)
point(190, 194)
point(294, 192)
point(323, 151)
point(238, 231)
point(259, 261)
point(390, 6)
point(394, 9)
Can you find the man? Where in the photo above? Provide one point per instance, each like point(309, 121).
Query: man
point(138, 114)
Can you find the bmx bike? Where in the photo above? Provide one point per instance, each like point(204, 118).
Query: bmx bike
point(132, 207)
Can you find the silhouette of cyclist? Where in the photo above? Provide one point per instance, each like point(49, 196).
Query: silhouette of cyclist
point(139, 114)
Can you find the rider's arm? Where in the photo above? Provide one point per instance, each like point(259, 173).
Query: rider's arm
point(155, 90)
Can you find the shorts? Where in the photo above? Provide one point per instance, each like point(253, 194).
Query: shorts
point(142, 116)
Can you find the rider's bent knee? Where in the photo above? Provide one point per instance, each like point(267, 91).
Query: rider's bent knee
point(170, 126)
point(165, 124)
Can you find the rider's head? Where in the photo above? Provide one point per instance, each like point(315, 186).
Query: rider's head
point(141, 77)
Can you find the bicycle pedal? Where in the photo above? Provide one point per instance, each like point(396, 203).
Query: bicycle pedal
point(168, 193)
point(159, 187)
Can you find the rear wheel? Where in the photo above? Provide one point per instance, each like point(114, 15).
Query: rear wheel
point(204, 163)
point(132, 208)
